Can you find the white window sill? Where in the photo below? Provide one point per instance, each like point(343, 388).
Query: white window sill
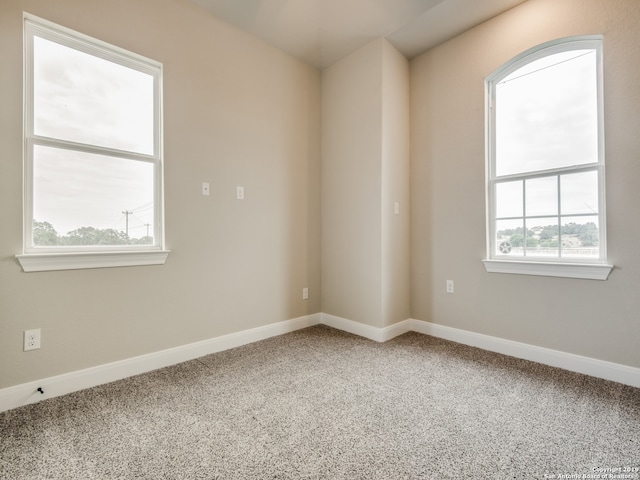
point(590, 271)
point(44, 262)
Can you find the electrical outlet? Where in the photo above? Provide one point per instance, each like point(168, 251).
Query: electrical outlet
point(449, 286)
point(305, 293)
point(31, 339)
point(240, 193)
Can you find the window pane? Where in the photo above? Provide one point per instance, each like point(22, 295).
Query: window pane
point(580, 237)
point(546, 114)
point(543, 239)
point(91, 199)
point(509, 199)
point(82, 98)
point(509, 237)
point(579, 193)
point(542, 196)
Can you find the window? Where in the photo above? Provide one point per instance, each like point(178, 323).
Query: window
point(545, 162)
point(93, 153)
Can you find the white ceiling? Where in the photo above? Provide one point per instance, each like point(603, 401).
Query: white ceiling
point(321, 32)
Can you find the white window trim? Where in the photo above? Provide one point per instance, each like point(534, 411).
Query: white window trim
point(35, 259)
point(45, 262)
point(587, 271)
point(597, 269)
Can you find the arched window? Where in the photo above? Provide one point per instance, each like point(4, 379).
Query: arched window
point(545, 161)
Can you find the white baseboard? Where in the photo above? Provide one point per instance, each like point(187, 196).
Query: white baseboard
point(367, 331)
point(26, 393)
point(554, 358)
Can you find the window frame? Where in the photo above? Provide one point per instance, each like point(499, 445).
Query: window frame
point(44, 258)
point(586, 268)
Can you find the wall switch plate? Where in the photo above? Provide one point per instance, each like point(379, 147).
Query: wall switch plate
point(449, 286)
point(205, 188)
point(240, 193)
point(305, 293)
point(396, 208)
point(31, 339)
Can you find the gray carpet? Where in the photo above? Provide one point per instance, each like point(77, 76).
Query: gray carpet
point(323, 404)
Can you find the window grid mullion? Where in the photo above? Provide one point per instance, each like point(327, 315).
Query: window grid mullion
point(547, 173)
point(89, 148)
point(524, 218)
point(533, 217)
point(560, 252)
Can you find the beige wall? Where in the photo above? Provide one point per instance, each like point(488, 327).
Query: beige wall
point(591, 318)
point(237, 112)
point(365, 160)
point(395, 228)
point(351, 133)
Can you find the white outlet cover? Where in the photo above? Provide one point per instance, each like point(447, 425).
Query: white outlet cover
point(31, 339)
point(449, 286)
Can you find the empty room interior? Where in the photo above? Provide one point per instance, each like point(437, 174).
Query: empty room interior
point(326, 167)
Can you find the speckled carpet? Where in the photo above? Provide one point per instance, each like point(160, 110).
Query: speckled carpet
point(323, 404)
